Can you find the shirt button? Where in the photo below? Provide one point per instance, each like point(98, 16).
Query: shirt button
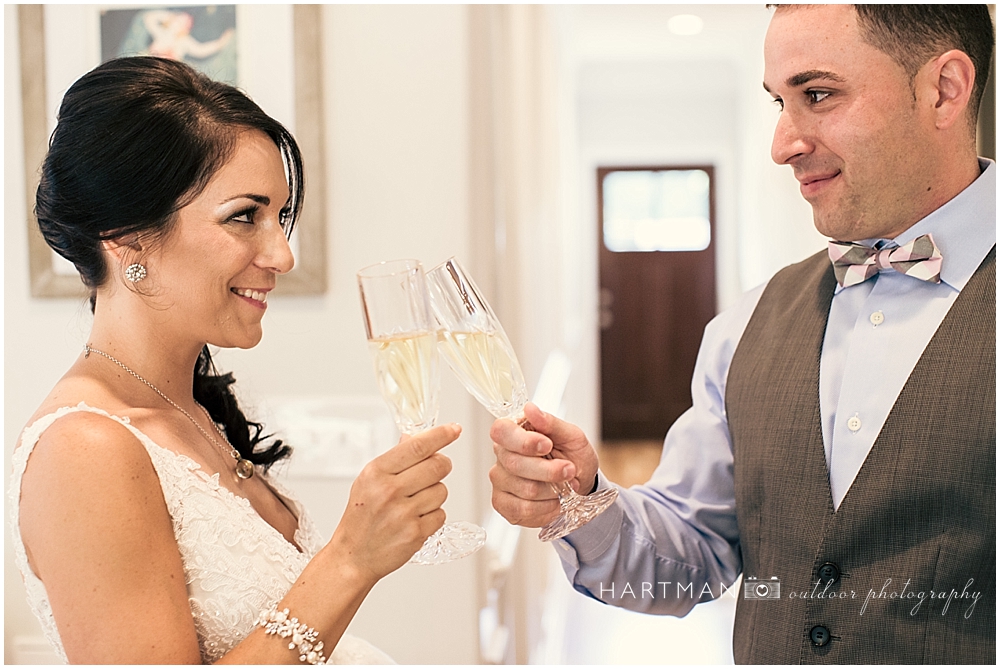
point(877, 318)
point(853, 423)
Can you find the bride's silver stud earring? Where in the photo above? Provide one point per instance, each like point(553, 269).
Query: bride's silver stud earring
point(135, 272)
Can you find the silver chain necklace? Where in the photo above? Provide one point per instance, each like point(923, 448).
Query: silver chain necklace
point(244, 468)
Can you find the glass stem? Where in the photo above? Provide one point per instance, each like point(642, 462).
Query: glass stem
point(563, 490)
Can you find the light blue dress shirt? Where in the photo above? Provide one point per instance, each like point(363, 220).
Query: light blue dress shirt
point(673, 542)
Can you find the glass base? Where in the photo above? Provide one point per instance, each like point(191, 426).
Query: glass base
point(577, 511)
point(452, 542)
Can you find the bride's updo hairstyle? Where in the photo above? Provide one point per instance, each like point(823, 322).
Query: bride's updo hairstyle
point(136, 140)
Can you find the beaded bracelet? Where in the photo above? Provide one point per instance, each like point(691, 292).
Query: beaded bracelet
point(304, 638)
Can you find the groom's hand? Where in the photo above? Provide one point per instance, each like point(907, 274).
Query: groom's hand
point(522, 479)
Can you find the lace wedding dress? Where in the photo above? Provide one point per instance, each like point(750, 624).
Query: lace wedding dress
point(235, 563)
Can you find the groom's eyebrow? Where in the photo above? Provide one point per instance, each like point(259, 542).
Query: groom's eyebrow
point(802, 78)
point(809, 75)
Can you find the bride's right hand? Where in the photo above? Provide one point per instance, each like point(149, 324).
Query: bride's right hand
point(395, 503)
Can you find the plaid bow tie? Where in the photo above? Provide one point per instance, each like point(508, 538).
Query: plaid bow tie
point(855, 263)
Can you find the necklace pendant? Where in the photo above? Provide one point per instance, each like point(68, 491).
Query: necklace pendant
point(244, 468)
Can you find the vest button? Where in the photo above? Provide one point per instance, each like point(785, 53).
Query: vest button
point(828, 572)
point(819, 635)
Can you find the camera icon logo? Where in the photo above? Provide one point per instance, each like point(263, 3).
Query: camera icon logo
point(754, 589)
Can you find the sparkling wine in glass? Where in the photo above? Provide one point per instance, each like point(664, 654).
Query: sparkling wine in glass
point(402, 338)
point(479, 353)
point(406, 369)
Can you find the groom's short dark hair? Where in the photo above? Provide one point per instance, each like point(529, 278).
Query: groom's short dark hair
point(912, 35)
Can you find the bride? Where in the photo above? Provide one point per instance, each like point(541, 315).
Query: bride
point(146, 527)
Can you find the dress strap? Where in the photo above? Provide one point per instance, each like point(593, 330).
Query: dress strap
point(31, 434)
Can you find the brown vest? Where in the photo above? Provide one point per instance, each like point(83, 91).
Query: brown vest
point(921, 511)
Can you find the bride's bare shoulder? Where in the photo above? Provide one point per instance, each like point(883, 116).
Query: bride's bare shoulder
point(81, 443)
point(85, 470)
point(76, 387)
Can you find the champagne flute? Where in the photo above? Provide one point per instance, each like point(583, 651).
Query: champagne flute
point(403, 343)
point(478, 351)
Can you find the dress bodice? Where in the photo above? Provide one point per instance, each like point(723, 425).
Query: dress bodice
point(236, 565)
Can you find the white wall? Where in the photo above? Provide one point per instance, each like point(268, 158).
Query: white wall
point(396, 95)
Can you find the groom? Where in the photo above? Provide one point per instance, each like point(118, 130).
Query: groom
point(840, 452)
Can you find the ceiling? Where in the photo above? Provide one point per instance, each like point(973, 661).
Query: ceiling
point(640, 32)
point(628, 51)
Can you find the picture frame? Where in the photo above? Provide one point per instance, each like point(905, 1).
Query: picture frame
point(309, 277)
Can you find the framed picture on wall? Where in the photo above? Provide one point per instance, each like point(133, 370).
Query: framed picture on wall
point(202, 36)
point(270, 51)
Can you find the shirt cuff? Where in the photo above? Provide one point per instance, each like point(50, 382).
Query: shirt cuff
point(593, 539)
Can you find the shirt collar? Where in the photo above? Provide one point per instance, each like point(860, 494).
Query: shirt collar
point(964, 228)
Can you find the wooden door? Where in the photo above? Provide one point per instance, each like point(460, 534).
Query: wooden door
point(654, 305)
